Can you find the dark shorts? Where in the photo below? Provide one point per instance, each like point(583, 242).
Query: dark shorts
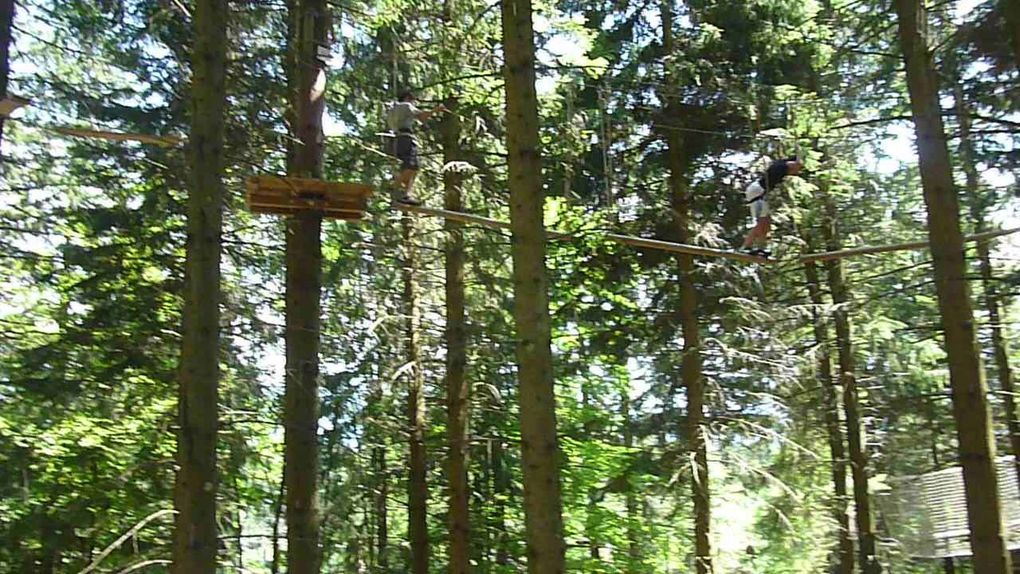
point(405, 148)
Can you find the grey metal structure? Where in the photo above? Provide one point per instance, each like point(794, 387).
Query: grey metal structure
point(926, 515)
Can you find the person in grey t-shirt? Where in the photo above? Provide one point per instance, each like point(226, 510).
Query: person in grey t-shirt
point(400, 118)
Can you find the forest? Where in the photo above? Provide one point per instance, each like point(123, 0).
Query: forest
point(395, 286)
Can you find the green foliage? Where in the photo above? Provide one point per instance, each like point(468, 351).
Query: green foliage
point(92, 241)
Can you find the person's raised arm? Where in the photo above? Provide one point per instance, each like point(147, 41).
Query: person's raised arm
point(423, 116)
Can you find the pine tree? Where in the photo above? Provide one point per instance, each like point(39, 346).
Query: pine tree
point(681, 202)
point(966, 374)
point(196, 541)
point(6, 25)
point(833, 426)
point(457, 387)
point(309, 23)
point(539, 441)
point(978, 207)
point(417, 488)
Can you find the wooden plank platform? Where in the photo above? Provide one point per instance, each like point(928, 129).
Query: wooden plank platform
point(278, 195)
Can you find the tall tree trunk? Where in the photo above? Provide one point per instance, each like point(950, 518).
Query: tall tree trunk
point(591, 522)
point(539, 441)
point(6, 25)
point(309, 20)
point(382, 531)
point(1012, 9)
point(966, 375)
point(501, 482)
point(195, 536)
point(690, 368)
point(978, 205)
point(482, 545)
point(379, 483)
point(847, 376)
point(274, 564)
point(634, 553)
point(417, 489)
point(837, 451)
point(457, 388)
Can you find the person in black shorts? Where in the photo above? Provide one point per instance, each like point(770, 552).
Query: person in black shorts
point(755, 194)
point(401, 117)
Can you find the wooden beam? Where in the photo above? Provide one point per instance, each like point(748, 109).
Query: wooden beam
point(868, 250)
point(165, 141)
point(622, 239)
point(10, 104)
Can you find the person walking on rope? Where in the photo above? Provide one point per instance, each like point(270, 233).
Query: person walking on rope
point(400, 118)
point(755, 197)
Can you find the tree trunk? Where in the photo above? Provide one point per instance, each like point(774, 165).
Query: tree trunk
point(274, 564)
point(382, 531)
point(309, 21)
point(690, 368)
point(501, 481)
point(837, 451)
point(1012, 10)
point(966, 375)
point(539, 442)
point(634, 554)
point(195, 536)
point(991, 294)
point(591, 522)
point(6, 25)
point(417, 489)
point(866, 550)
point(457, 388)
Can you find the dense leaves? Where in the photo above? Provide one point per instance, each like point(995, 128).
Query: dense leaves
point(92, 238)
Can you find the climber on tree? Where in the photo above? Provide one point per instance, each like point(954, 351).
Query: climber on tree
point(755, 197)
point(400, 118)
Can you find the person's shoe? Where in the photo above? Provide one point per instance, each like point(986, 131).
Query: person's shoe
point(408, 199)
point(759, 252)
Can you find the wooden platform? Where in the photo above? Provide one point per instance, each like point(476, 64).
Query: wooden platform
point(289, 195)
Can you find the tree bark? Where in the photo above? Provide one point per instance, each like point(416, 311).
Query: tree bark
point(966, 375)
point(634, 553)
point(539, 441)
point(382, 532)
point(417, 493)
point(1000, 347)
point(1012, 10)
point(457, 388)
point(309, 21)
point(195, 535)
point(6, 25)
point(690, 368)
point(866, 547)
point(274, 564)
point(501, 482)
point(837, 451)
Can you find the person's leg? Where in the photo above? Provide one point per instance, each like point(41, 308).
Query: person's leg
point(765, 229)
point(751, 238)
point(757, 234)
point(412, 175)
point(760, 214)
point(409, 166)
